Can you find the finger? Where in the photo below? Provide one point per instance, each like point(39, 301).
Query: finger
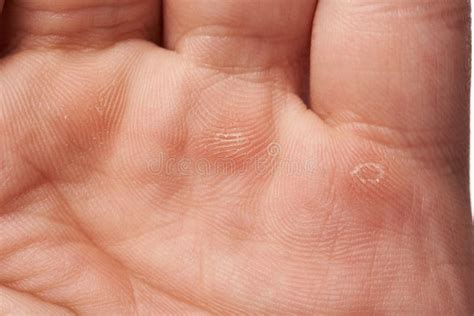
point(79, 23)
point(242, 35)
point(395, 71)
point(2, 2)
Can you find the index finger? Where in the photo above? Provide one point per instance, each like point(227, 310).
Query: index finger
point(396, 72)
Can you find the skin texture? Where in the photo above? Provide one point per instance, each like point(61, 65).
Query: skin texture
point(235, 157)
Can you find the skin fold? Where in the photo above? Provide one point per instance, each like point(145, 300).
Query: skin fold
point(253, 157)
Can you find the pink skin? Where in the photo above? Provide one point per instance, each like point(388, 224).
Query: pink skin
point(234, 157)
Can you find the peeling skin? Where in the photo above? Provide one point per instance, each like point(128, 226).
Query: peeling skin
point(230, 137)
point(370, 172)
point(232, 142)
point(227, 144)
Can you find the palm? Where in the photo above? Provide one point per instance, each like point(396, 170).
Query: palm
point(153, 182)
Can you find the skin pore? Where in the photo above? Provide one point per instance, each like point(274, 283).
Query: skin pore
point(235, 157)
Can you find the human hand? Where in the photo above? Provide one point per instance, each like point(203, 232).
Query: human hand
point(258, 163)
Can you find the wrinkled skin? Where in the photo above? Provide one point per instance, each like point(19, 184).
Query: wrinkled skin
point(234, 157)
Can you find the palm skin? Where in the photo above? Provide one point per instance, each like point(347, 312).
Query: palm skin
point(140, 180)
